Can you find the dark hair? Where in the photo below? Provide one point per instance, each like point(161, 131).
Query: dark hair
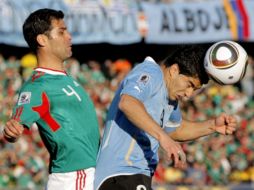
point(39, 22)
point(190, 59)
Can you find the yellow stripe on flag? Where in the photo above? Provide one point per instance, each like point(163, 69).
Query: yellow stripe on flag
point(232, 19)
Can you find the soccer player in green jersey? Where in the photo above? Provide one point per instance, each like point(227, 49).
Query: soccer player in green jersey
point(60, 107)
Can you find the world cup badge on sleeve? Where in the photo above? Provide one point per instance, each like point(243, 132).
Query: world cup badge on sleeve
point(24, 98)
point(144, 78)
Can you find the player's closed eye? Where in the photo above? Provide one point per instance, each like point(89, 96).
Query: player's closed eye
point(61, 32)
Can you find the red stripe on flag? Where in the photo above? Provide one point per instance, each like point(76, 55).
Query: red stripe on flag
point(245, 18)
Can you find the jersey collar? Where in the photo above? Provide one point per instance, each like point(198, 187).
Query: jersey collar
point(50, 71)
point(148, 58)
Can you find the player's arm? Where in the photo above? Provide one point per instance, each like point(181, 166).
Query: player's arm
point(23, 114)
point(223, 124)
point(135, 111)
point(12, 130)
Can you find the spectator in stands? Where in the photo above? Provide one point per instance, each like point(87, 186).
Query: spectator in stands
point(247, 83)
point(2, 64)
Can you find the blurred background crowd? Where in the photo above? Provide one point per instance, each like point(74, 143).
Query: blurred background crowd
point(215, 162)
point(212, 161)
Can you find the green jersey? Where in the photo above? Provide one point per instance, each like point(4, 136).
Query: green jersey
point(65, 116)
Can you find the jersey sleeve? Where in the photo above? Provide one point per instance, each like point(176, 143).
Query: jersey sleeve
point(141, 83)
point(30, 98)
point(174, 120)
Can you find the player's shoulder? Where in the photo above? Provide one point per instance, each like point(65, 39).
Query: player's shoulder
point(29, 92)
point(32, 85)
point(148, 66)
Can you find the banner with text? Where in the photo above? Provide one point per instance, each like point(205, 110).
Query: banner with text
point(206, 21)
point(87, 21)
point(127, 22)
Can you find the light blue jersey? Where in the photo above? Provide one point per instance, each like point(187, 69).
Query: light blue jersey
point(125, 149)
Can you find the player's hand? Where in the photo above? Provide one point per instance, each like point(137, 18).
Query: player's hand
point(12, 130)
point(225, 124)
point(173, 151)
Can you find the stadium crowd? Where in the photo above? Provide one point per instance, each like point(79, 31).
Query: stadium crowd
point(212, 160)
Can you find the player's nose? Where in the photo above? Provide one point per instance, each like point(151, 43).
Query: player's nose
point(189, 92)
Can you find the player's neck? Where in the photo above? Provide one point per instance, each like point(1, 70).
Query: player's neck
point(50, 62)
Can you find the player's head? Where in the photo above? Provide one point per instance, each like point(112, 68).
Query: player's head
point(184, 71)
point(190, 59)
point(39, 22)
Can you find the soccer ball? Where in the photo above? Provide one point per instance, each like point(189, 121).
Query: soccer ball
point(226, 62)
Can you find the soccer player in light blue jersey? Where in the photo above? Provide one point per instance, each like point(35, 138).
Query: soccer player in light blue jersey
point(145, 114)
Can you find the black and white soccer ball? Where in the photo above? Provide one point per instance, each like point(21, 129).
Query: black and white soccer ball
point(226, 62)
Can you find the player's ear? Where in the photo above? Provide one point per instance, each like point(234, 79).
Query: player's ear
point(174, 69)
point(41, 39)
